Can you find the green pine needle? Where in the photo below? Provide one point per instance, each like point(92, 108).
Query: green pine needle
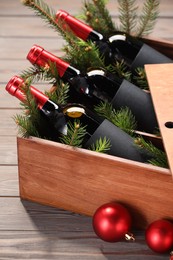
point(75, 134)
point(102, 145)
point(148, 18)
point(120, 69)
point(122, 118)
point(83, 55)
point(140, 79)
point(128, 15)
point(26, 126)
point(159, 157)
point(97, 16)
point(44, 11)
point(59, 92)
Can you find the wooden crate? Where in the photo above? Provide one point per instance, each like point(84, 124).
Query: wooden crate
point(80, 181)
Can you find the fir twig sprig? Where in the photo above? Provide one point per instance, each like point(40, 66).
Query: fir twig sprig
point(120, 69)
point(35, 74)
point(84, 55)
point(59, 92)
point(140, 79)
point(122, 118)
point(97, 16)
point(128, 15)
point(75, 134)
point(148, 18)
point(30, 120)
point(159, 157)
point(102, 145)
point(44, 11)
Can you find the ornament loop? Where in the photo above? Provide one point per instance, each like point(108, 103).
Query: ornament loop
point(129, 237)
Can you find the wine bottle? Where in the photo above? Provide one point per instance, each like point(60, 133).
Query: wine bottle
point(99, 85)
point(120, 46)
point(50, 111)
point(122, 145)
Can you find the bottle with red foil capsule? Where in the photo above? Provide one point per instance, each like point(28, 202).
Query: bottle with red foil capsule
point(99, 85)
point(120, 46)
point(52, 113)
point(122, 145)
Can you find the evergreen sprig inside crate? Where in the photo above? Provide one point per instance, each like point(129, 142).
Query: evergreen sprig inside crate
point(85, 55)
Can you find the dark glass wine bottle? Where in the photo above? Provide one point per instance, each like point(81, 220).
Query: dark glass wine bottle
point(99, 85)
point(122, 145)
point(50, 111)
point(120, 46)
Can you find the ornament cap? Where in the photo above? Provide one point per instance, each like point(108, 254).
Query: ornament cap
point(129, 237)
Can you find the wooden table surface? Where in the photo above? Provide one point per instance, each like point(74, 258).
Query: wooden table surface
point(29, 230)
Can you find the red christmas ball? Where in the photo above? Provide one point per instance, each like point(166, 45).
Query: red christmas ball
point(111, 222)
point(159, 236)
point(171, 255)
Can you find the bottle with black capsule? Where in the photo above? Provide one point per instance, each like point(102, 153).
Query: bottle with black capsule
point(122, 145)
point(99, 85)
point(120, 46)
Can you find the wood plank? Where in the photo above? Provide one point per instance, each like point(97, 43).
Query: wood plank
point(30, 27)
point(8, 127)
point(15, 8)
point(26, 216)
point(9, 181)
point(7, 101)
point(162, 93)
point(8, 150)
point(17, 48)
point(74, 245)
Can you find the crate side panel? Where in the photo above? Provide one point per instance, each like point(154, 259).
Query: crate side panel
point(81, 181)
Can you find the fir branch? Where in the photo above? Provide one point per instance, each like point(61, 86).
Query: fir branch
point(140, 79)
point(26, 126)
point(59, 92)
point(159, 157)
point(33, 74)
point(75, 134)
point(101, 145)
point(83, 55)
point(127, 17)
point(49, 16)
point(122, 118)
point(148, 18)
point(44, 11)
point(104, 13)
point(98, 17)
point(120, 69)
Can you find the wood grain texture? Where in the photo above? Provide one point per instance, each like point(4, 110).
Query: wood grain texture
point(162, 93)
point(67, 178)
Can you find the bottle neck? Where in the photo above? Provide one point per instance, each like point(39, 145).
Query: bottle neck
point(86, 117)
point(107, 83)
point(80, 29)
point(40, 57)
point(124, 47)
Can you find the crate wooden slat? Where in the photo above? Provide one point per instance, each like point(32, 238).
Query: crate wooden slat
point(160, 78)
point(80, 181)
